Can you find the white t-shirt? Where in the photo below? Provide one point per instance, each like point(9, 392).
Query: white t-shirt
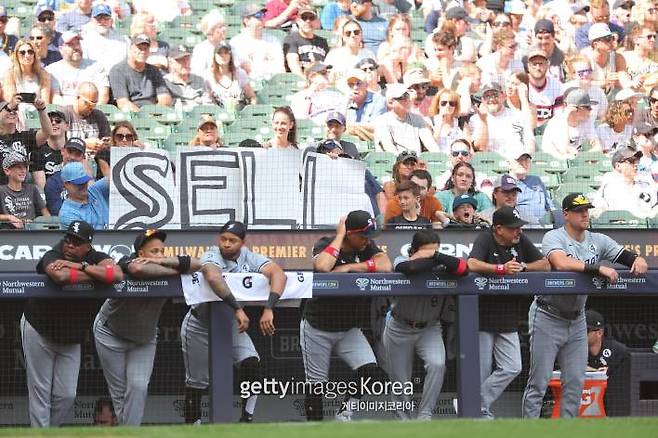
point(640, 198)
point(109, 50)
point(596, 94)
point(490, 72)
point(66, 78)
point(509, 132)
point(404, 135)
point(610, 140)
point(264, 55)
point(559, 136)
point(342, 60)
point(225, 92)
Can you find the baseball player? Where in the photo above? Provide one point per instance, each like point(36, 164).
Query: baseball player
point(230, 256)
point(556, 323)
point(504, 250)
point(334, 324)
point(415, 324)
point(125, 330)
point(53, 329)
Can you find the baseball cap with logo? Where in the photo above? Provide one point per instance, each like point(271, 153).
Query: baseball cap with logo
point(576, 201)
point(234, 227)
point(506, 183)
point(492, 86)
point(536, 52)
point(598, 31)
point(178, 52)
point(464, 199)
point(624, 154)
point(252, 9)
point(13, 159)
point(74, 173)
point(147, 235)
point(76, 143)
point(406, 155)
point(360, 222)
point(141, 38)
point(579, 98)
point(306, 10)
point(40, 9)
point(508, 217)
point(594, 320)
point(101, 9)
point(206, 119)
point(336, 117)
point(317, 67)
point(80, 230)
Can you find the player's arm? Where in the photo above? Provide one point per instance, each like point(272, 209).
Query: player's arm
point(277, 279)
point(561, 262)
point(60, 272)
point(106, 271)
point(541, 265)
point(378, 263)
point(144, 267)
point(325, 260)
point(453, 265)
point(213, 275)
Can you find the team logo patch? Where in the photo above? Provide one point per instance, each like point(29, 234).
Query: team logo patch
point(606, 352)
point(119, 286)
point(362, 283)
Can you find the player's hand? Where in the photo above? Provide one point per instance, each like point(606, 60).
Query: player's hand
point(267, 322)
point(16, 222)
point(243, 320)
point(513, 267)
point(639, 267)
point(145, 260)
point(341, 231)
point(422, 254)
point(342, 268)
point(61, 264)
point(609, 273)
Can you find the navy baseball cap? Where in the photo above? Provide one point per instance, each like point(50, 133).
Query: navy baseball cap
point(76, 143)
point(74, 172)
point(360, 222)
point(594, 320)
point(234, 227)
point(147, 235)
point(506, 183)
point(80, 230)
point(336, 116)
point(544, 25)
point(464, 199)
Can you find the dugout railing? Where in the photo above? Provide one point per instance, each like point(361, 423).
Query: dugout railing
point(466, 290)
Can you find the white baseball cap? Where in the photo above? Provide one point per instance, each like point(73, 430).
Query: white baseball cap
point(598, 30)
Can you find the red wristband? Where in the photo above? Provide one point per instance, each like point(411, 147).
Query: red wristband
point(500, 270)
point(331, 251)
point(109, 273)
point(73, 276)
point(370, 264)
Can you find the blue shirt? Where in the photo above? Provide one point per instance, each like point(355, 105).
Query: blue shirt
point(582, 39)
point(96, 212)
point(329, 13)
point(374, 32)
point(373, 106)
point(72, 20)
point(55, 193)
point(534, 200)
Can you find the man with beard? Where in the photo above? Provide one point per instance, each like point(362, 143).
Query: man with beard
point(100, 41)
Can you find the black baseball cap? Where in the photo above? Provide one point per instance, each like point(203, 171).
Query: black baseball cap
point(508, 217)
point(576, 201)
point(147, 235)
point(406, 155)
point(594, 320)
point(235, 227)
point(80, 230)
point(360, 222)
point(544, 25)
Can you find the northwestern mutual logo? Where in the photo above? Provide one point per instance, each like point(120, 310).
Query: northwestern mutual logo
point(481, 282)
point(362, 283)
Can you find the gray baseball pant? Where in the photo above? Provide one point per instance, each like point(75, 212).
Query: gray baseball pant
point(52, 376)
point(127, 367)
point(400, 342)
point(194, 341)
point(551, 337)
point(317, 345)
point(505, 350)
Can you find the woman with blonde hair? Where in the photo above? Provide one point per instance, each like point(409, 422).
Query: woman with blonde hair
point(214, 28)
point(618, 127)
point(26, 74)
point(399, 26)
point(207, 133)
point(445, 111)
point(145, 23)
point(349, 50)
point(123, 135)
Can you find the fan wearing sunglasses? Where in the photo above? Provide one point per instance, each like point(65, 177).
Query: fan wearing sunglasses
point(639, 64)
point(349, 51)
point(26, 74)
point(461, 150)
point(123, 135)
point(444, 111)
point(608, 68)
point(304, 48)
point(500, 64)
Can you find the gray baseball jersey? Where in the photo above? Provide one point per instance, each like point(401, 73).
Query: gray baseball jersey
point(420, 308)
point(594, 248)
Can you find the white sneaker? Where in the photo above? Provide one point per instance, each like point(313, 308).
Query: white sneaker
point(344, 415)
point(197, 422)
point(655, 347)
point(455, 405)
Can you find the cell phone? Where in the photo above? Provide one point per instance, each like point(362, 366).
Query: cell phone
point(27, 97)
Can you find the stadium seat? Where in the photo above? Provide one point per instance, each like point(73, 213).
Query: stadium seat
point(586, 175)
point(159, 113)
point(489, 162)
point(233, 139)
point(275, 95)
point(435, 158)
point(175, 141)
point(550, 180)
point(598, 159)
point(43, 223)
point(113, 113)
point(618, 219)
point(250, 126)
point(381, 164)
point(151, 131)
point(214, 110)
point(262, 111)
point(288, 80)
point(547, 163)
point(179, 36)
point(571, 187)
point(187, 126)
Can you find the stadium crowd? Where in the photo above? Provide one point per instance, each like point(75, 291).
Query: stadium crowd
point(503, 102)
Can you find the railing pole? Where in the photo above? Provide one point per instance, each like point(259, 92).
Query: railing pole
point(220, 350)
point(468, 356)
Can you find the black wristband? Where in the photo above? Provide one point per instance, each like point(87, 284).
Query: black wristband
point(627, 258)
point(184, 263)
point(272, 300)
point(231, 301)
point(592, 268)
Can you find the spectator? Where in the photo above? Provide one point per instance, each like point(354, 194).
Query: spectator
point(397, 60)
point(430, 207)
point(7, 42)
point(363, 106)
point(73, 151)
point(83, 202)
point(461, 182)
point(332, 11)
point(533, 201)
point(544, 91)
point(461, 150)
point(303, 47)
point(503, 130)
point(20, 202)
point(608, 67)
point(442, 66)
point(408, 195)
point(227, 84)
point(135, 83)
point(545, 41)
point(455, 21)
point(405, 163)
point(187, 89)
point(73, 69)
point(123, 135)
point(336, 126)
point(164, 11)
point(84, 120)
point(23, 142)
point(599, 13)
point(503, 62)
point(417, 82)
point(621, 12)
point(566, 143)
point(624, 189)
point(617, 129)
point(374, 27)
point(284, 130)
point(349, 50)
point(444, 111)
point(45, 15)
point(47, 158)
point(101, 42)
point(317, 100)
point(648, 116)
point(75, 18)
point(207, 133)
point(41, 36)
point(639, 64)
point(283, 13)
point(399, 129)
point(644, 140)
point(505, 193)
point(399, 28)
point(371, 70)
point(256, 52)
point(214, 28)
point(582, 78)
point(464, 214)
point(145, 23)
point(26, 74)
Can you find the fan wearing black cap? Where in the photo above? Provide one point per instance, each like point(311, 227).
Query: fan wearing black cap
point(505, 250)
point(53, 329)
point(557, 324)
point(334, 324)
point(231, 255)
point(125, 329)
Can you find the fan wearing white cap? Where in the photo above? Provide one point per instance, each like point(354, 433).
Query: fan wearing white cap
point(582, 67)
point(608, 67)
point(599, 12)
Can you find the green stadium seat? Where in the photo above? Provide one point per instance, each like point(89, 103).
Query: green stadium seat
point(598, 159)
point(161, 114)
point(261, 111)
point(216, 111)
point(362, 146)
point(275, 95)
point(250, 126)
point(435, 158)
point(43, 223)
point(571, 187)
point(288, 80)
point(547, 163)
point(618, 219)
point(381, 164)
point(179, 36)
point(550, 180)
point(113, 113)
point(587, 175)
point(233, 139)
point(151, 131)
point(490, 162)
point(187, 126)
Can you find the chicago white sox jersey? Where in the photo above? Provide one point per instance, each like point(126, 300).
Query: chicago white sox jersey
point(594, 248)
point(419, 308)
point(546, 99)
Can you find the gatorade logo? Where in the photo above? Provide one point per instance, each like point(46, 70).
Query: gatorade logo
point(246, 282)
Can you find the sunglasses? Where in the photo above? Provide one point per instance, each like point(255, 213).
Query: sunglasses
point(501, 23)
point(26, 52)
point(652, 10)
point(632, 161)
point(46, 18)
point(607, 39)
point(125, 137)
point(420, 86)
point(585, 107)
point(650, 36)
point(653, 100)
point(583, 73)
point(37, 38)
point(355, 32)
point(74, 241)
point(371, 68)
point(56, 120)
point(258, 15)
point(458, 153)
point(452, 103)
point(308, 17)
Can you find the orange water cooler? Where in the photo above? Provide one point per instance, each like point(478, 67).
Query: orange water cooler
point(591, 403)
